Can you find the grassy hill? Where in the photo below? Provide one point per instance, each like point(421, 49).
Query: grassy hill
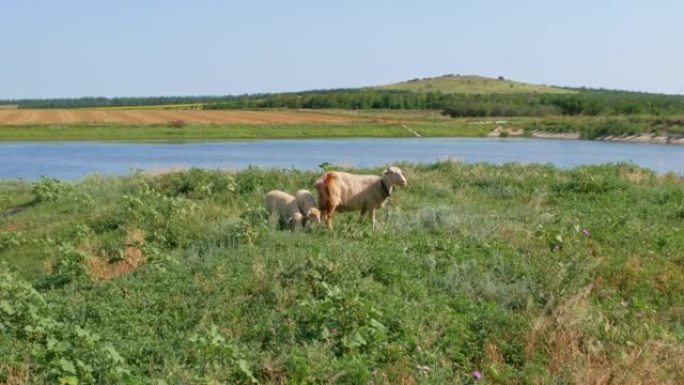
point(528, 274)
point(471, 84)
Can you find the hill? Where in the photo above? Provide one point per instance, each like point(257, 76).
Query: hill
point(472, 84)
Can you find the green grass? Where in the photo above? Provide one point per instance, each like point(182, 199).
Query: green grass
point(529, 274)
point(218, 132)
point(382, 123)
point(470, 84)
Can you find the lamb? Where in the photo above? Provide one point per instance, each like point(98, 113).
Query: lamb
point(285, 205)
point(308, 207)
point(343, 191)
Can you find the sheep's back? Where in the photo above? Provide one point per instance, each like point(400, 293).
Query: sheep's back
point(277, 199)
point(305, 200)
point(357, 191)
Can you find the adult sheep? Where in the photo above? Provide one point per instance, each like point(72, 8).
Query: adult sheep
point(285, 205)
point(342, 191)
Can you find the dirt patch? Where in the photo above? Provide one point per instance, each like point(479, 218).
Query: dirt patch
point(102, 270)
point(645, 138)
point(17, 374)
point(14, 210)
point(84, 116)
point(556, 135)
point(506, 131)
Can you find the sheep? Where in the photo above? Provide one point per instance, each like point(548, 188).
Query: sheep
point(308, 207)
point(285, 205)
point(342, 191)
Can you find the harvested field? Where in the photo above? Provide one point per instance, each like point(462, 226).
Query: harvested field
point(75, 116)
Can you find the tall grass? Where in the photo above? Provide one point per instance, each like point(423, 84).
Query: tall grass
point(528, 274)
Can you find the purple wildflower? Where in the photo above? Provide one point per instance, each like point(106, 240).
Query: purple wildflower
point(586, 232)
point(477, 375)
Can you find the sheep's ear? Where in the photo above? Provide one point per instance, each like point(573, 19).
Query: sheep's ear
point(387, 171)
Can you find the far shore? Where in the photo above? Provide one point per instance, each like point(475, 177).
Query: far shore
point(370, 128)
point(644, 138)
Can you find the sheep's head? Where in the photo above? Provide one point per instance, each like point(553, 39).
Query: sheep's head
point(395, 176)
point(296, 220)
point(314, 215)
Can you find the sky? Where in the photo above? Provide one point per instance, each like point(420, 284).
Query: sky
point(75, 48)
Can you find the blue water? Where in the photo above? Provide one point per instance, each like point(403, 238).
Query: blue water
point(73, 160)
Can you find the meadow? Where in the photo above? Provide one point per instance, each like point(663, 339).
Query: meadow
point(518, 273)
point(192, 131)
point(179, 125)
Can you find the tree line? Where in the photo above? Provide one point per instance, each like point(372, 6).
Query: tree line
point(585, 102)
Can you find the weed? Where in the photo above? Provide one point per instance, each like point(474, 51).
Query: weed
point(49, 189)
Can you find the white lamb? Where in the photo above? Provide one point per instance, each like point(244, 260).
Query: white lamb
point(285, 205)
point(343, 191)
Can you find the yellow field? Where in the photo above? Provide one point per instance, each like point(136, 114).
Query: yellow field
point(163, 116)
point(187, 106)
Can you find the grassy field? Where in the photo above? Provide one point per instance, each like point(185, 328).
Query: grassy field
point(470, 84)
point(526, 274)
point(236, 131)
point(173, 125)
point(184, 106)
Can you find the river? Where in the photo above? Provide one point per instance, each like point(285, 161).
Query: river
point(73, 160)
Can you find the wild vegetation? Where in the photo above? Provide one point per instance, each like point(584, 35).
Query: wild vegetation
point(523, 274)
point(600, 127)
point(586, 102)
point(457, 96)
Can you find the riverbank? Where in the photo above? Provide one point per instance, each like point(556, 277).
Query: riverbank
point(572, 130)
point(169, 132)
point(301, 124)
point(532, 275)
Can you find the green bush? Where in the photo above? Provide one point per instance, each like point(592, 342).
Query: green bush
point(49, 189)
point(10, 239)
point(593, 179)
point(195, 183)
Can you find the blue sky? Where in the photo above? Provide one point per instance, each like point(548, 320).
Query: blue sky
point(74, 48)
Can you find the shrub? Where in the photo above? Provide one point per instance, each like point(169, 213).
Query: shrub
point(49, 189)
point(593, 179)
point(10, 239)
point(195, 184)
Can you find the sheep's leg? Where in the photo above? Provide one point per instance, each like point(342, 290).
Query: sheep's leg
point(372, 213)
point(282, 223)
point(363, 212)
point(329, 216)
